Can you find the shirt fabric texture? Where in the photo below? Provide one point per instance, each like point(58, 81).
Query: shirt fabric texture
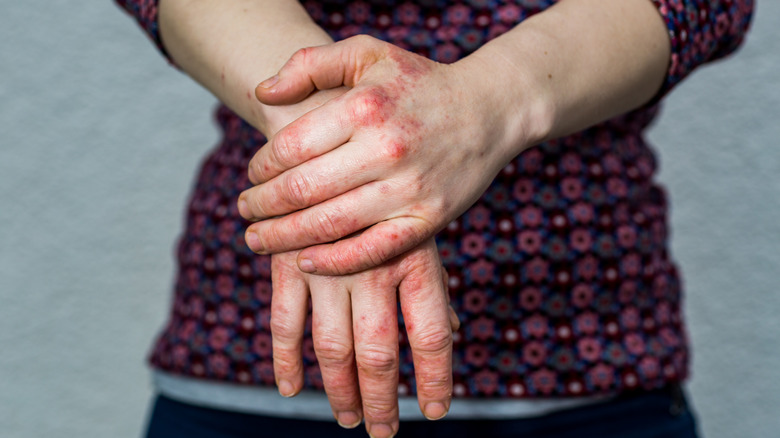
point(560, 273)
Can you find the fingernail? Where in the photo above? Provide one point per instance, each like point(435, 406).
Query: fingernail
point(435, 410)
point(285, 388)
point(253, 242)
point(307, 266)
point(381, 431)
point(270, 82)
point(243, 209)
point(348, 419)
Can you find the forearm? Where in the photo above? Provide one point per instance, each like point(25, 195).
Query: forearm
point(229, 47)
point(576, 64)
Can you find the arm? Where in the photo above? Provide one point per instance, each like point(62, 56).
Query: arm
point(228, 47)
point(570, 67)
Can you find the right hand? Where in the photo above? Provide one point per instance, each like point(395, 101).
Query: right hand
point(355, 334)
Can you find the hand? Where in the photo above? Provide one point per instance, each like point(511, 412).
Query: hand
point(410, 147)
point(355, 333)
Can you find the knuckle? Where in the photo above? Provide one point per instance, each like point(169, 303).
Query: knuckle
point(361, 39)
point(434, 385)
point(327, 227)
point(285, 148)
point(283, 331)
point(376, 254)
point(286, 362)
point(256, 206)
point(258, 170)
point(371, 107)
point(379, 409)
point(377, 361)
point(333, 353)
point(301, 55)
point(434, 341)
point(296, 190)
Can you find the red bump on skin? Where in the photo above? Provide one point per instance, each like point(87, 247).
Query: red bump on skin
point(248, 95)
point(373, 108)
point(397, 149)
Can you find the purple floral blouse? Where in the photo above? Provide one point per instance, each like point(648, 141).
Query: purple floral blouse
point(560, 273)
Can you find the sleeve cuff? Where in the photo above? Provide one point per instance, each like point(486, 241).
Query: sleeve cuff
point(145, 13)
point(701, 31)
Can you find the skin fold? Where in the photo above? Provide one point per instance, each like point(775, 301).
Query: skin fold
point(374, 149)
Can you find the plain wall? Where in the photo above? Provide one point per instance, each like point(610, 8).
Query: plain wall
point(99, 142)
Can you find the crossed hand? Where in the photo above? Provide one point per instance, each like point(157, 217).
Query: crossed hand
point(348, 198)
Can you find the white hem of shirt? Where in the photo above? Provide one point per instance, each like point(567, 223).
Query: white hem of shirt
point(313, 405)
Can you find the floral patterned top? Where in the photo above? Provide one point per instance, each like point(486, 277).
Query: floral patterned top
point(560, 273)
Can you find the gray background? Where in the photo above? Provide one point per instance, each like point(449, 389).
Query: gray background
point(99, 140)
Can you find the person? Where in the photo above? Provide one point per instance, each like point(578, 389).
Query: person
point(510, 131)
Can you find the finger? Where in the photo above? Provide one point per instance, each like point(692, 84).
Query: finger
point(312, 182)
point(372, 247)
point(331, 220)
point(333, 344)
point(425, 306)
point(322, 67)
point(375, 324)
point(311, 135)
point(289, 305)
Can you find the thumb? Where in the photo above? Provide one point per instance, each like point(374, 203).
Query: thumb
point(320, 68)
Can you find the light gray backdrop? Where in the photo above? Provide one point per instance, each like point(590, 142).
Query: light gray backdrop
point(99, 140)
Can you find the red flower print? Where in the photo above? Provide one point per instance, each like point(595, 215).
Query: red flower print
point(264, 370)
point(530, 298)
point(601, 376)
point(589, 349)
point(478, 217)
point(474, 301)
point(582, 295)
point(523, 191)
point(481, 271)
point(263, 292)
point(529, 241)
point(477, 355)
point(535, 326)
point(473, 244)
point(534, 353)
point(530, 217)
point(586, 323)
point(629, 318)
point(458, 14)
point(218, 365)
point(634, 344)
point(482, 328)
point(228, 313)
point(571, 188)
point(261, 345)
point(649, 367)
point(580, 240)
point(218, 338)
point(537, 269)
point(486, 382)
point(543, 381)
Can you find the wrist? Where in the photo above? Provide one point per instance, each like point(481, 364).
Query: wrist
point(517, 98)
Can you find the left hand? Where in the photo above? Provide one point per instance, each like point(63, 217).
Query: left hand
point(355, 335)
point(407, 149)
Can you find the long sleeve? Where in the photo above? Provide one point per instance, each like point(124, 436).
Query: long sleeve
point(145, 13)
point(701, 31)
